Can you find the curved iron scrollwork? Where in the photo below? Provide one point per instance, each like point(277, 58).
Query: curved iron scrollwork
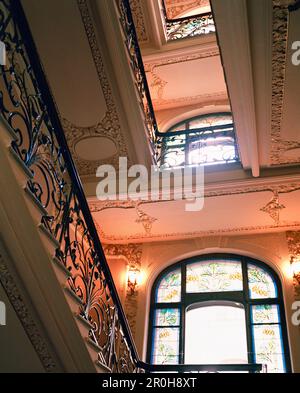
point(131, 42)
point(27, 106)
point(188, 27)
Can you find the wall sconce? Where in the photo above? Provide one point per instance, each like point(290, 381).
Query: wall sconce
point(133, 279)
point(295, 265)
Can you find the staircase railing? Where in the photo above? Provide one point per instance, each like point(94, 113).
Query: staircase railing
point(189, 26)
point(132, 45)
point(27, 105)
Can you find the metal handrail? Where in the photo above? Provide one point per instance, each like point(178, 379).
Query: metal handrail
point(134, 52)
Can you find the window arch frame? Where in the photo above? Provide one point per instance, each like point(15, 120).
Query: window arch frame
point(189, 299)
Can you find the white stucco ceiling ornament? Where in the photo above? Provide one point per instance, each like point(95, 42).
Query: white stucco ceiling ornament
point(144, 219)
point(273, 208)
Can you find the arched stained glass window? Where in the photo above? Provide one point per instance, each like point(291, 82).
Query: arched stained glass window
point(218, 309)
point(203, 140)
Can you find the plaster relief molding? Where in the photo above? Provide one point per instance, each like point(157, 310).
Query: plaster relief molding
point(30, 327)
point(176, 59)
point(145, 220)
point(158, 84)
point(284, 188)
point(279, 48)
point(216, 99)
point(131, 309)
point(139, 20)
point(109, 126)
point(142, 237)
point(177, 7)
point(133, 254)
point(273, 208)
point(142, 218)
point(293, 242)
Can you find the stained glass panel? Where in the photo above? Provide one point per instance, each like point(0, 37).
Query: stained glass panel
point(167, 317)
point(169, 289)
point(214, 276)
point(166, 346)
point(261, 284)
point(265, 313)
point(268, 347)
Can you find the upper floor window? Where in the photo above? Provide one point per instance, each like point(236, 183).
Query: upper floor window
point(218, 309)
point(183, 22)
point(203, 140)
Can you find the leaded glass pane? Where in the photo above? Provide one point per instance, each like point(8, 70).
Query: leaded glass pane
point(214, 276)
point(261, 284)
point(167, 317)
point(169, 289)
point(211, 150)
point(265, 313)
point(166, 346)
point(268, 347)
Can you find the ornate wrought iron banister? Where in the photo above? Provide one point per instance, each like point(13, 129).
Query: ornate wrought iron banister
point(28, 107)
point(137, 65)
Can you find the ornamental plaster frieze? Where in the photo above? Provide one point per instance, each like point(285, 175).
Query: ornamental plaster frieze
point(98, 206)
point(132, 252)
point(139, 20)
point(279, 146)
point(293, 243)
point(272, 208)
point(142, 237)
point(177, 7)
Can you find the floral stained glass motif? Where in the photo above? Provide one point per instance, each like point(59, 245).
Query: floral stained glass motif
point(166, 346)
point(167, 317)
point(261, 284)
point(265, 313)
point(169, 288)
point(214, 276)
point(268, 347)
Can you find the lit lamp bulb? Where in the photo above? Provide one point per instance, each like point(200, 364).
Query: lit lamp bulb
point(133, 278)
point(295, 264)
